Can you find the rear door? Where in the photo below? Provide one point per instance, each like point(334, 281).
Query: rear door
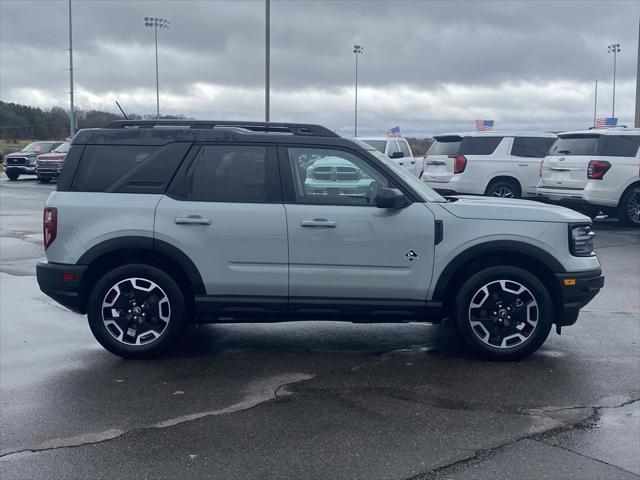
point(565, 168)
point(224, 211)
point(438, 166)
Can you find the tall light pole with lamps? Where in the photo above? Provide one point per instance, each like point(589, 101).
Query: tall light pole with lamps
point(357, 50)
point(156, 23)
point(615, 49)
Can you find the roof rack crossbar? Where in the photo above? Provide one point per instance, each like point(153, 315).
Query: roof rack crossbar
point(266, 127)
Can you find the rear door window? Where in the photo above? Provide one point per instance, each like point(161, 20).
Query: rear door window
point(536, 147)
point(479, 145)
point(448, 145)
point(228, 173)
point(571, 145)
point(618, 145)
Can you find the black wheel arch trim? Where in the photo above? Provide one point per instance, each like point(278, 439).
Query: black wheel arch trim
point(151, 245)
point(492, 247)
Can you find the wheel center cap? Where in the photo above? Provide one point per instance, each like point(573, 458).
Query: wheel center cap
point(502, 313)
point(137, 310)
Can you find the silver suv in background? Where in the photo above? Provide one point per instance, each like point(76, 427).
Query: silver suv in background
point(593, 171)
point(497, 164)
point(154, 228)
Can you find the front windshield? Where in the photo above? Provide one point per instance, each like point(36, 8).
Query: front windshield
point(427, 193)
point(64, 148)
point(32, 148)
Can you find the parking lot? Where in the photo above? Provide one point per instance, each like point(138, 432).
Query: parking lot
point(313, 400)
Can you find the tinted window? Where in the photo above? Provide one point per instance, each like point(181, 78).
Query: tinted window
point(531, 146)
point(125, 169)
point(64, 148)
point(569, 145)
point(333, 177)
point(103, 165)
point(404, 146)
point(445, 145)
point(377, 144)
point(479, 145)
point(224, 173)
point(618, 145)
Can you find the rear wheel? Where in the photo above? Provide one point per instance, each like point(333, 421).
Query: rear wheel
point(43, 179)
point(629, 207)
point(136, 311)
point(503, 313)
point(12, 175)
point(503, 188)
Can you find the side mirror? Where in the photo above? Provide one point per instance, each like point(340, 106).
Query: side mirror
point(390, 198)
point(397, 155)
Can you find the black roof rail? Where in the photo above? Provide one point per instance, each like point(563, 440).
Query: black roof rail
point(258, 127)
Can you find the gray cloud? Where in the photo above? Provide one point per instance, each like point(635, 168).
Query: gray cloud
point(432, 64)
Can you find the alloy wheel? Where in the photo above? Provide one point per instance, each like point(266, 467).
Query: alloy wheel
point(136, 311)
point(502, 191)
point(503, 314)
point(633, 207)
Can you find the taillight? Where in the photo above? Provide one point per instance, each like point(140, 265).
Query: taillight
point(49, 225)
point(597, 169)
point(459, 163)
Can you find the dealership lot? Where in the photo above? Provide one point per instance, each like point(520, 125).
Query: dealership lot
point(315, 400)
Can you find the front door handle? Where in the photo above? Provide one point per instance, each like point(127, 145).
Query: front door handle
point(523, 164)
point(193, 220)
point(318, 223)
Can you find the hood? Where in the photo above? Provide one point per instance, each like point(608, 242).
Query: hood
point(22, 154)
point(52, 156)
point(492, 208)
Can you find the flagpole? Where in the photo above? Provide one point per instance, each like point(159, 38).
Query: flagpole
point(595, 106)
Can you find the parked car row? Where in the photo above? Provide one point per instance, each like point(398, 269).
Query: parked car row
point(43, 159)
point(591, 171)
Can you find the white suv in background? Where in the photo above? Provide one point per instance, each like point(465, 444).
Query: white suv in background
point(397, 149)
point(498, 164)
point(595, 170)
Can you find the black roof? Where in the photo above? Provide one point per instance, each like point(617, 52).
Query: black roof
point(160, 132)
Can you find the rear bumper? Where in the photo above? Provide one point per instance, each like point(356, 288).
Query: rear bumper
point(578, 289)
point(61, 282)
point(592, 194)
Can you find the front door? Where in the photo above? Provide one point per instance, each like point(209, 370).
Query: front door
point(343, 247)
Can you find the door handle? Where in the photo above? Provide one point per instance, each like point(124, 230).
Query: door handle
point(318, 223)
point(413, 163)
point(193, 220)
point(523, 164)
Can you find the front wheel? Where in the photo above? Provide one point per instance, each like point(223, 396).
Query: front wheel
point(503, 313)
point(629, 207)
point(44, 179)
point(136, 311)
point(12, 175)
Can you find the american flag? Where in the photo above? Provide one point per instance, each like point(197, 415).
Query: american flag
point(484, 125)
point(394, 132)
point(606, 122)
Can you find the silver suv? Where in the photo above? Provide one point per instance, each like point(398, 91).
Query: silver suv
point(157, 224)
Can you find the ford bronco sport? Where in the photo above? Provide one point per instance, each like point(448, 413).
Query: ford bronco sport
point(156, 224)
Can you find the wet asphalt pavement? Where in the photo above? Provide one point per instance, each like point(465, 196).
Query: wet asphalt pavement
point(313, 400)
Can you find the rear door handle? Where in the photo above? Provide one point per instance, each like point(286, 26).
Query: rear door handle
point(318, 223)
point(193, 220)
point(523, 164)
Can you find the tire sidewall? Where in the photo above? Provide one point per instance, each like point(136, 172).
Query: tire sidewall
point(622, 208)
point(479, 279)
point(177, 320)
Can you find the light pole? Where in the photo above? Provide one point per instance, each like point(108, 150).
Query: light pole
point(72, 111)
point(156, 23)
point(615, 49)
point(357, 50)
point(267, 57)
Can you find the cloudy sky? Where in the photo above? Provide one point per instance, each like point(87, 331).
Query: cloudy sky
point(428, 66)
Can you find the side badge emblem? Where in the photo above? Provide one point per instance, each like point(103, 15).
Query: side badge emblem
point(411, 255)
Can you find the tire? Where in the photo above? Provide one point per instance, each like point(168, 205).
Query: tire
point(44, 179)
point(497, 336)
point(503, 188)
point(12, 175)
point(629, 207)
point(155, 294)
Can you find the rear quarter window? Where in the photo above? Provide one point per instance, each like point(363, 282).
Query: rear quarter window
point(128, 168)
point(618, 145)
point(479, 145)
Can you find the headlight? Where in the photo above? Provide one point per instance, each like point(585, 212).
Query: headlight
point(581, 240)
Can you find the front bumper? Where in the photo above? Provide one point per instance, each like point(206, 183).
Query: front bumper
point(61, 282)
point(578, 289)
point(22, 169)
